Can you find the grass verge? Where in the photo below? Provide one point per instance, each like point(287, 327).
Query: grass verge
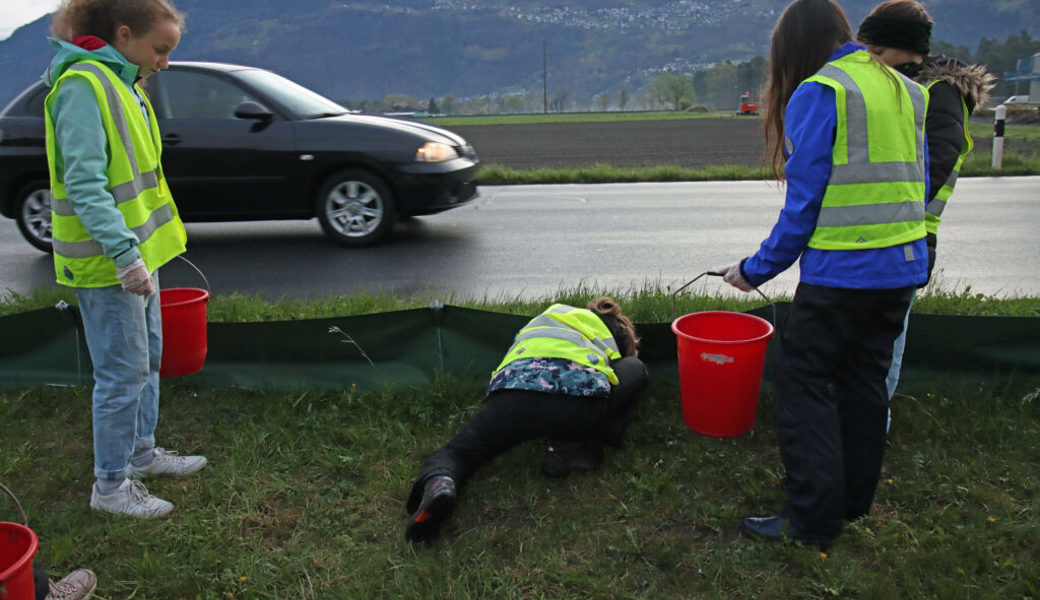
point(596, 117)
point(649, 304)
point(975, 165)
point(304, 496)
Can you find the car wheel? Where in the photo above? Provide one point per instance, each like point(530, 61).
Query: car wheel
point(356, 208)
point(33, 213)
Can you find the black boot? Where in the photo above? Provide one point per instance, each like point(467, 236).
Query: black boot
point(437, 504)
point(563, 456)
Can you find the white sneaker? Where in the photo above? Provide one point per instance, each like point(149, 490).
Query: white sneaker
point(131, 498)
point(77, 585)
point(167, 462)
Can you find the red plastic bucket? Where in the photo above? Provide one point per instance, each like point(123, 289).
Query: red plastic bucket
point(184, 330)
point(721, 358)
point(18, 545)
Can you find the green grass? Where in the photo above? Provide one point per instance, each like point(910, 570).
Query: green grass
point(976, 165)
point(602, 173)
point(648, 304)
point(1025, 133)
point(304, 498)
point(304, 495)
point(591, 117)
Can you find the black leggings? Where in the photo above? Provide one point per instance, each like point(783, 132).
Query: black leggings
point(510, 417)
point(832, 401)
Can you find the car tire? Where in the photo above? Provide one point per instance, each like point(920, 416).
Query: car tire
point(356, 208)
point(33, 213)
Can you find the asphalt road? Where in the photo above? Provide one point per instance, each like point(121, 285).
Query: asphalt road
point(529, 241)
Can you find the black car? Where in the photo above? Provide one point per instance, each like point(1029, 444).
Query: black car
point(241, 143)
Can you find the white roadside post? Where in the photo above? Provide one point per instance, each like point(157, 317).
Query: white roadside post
point(998, 136)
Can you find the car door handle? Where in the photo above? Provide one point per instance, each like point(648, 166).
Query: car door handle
point(171, 139)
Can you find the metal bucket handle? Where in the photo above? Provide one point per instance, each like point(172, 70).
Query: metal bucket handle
point(25, 521)
point(197, 270)
point(714, 274)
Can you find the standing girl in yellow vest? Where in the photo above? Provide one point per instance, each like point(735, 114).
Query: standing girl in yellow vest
point(114, 224)
point(571, 375)
point(846, 133)
point(899, 33)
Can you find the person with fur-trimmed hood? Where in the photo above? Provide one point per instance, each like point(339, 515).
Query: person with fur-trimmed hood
point(898, 32)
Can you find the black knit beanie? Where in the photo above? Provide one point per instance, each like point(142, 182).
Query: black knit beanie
point(890, 32)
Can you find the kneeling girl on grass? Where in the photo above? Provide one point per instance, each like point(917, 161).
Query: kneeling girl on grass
point(571, 375)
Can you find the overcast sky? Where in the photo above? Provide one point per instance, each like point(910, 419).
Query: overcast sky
point(15, 13)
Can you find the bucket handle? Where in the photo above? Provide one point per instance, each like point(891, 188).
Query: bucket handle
point(714, 274)
point(197, 270)
point(25, 520)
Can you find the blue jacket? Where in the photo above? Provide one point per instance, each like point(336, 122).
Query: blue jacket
point(84, 148)
point(812, 110)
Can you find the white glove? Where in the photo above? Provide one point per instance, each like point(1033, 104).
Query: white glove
point(731, 275)
point(136, 279)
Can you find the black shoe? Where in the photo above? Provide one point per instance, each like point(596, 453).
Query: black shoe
point(563, 457)
point(777, 527)
point(437, 504)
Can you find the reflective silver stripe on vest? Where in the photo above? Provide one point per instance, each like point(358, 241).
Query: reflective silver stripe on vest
point(859, 168)
point(604, 344)
point(90, 248)
point(935, 207)
point(115, 105)
point(870, 214)
point(124, 192)
point(567, 335)
point(140, 181)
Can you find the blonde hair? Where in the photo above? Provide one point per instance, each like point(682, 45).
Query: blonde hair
point(606, 306)
point(101, 18)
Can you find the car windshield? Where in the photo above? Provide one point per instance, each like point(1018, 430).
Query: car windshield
point(291, 95)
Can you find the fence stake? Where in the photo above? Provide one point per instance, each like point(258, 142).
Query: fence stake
point(998, 136)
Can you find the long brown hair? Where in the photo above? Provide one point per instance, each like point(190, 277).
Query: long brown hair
point(625, 332)
point(805, 36)
point(101, 18)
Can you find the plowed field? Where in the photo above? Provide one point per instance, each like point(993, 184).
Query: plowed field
point(686, 143)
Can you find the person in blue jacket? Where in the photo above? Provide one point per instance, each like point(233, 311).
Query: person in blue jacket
point(846, 134)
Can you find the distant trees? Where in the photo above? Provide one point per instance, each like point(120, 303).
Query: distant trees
point(561, 100)
point(622, 99)
point(718, 87)
point(999, 58)
point(674, 89)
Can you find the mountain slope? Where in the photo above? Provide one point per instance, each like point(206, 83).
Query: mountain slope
point(427, 48)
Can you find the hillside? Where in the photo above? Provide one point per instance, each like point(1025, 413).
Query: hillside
point(425, 48)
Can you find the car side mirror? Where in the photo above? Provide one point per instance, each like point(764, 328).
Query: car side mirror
point(254, 111)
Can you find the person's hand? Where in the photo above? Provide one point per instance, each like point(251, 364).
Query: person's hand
point(136, 279)
point(731, 275)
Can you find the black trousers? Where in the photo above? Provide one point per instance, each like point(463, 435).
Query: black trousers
point(831, 403)
point(510, 417)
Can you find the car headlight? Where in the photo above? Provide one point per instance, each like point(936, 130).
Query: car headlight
point(435, 152)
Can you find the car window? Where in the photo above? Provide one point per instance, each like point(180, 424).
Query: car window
point(192, 95)
point(34, 105)
point(291, 95)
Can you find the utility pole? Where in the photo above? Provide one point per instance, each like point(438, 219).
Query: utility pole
point(545, 82)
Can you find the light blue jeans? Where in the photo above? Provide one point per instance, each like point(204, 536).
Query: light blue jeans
point(892, 381)
point(124, 335)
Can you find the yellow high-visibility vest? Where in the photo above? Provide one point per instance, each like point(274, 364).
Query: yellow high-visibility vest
point(934, 209)
point(876, 193)
point(135, 180)
point(562, 331)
